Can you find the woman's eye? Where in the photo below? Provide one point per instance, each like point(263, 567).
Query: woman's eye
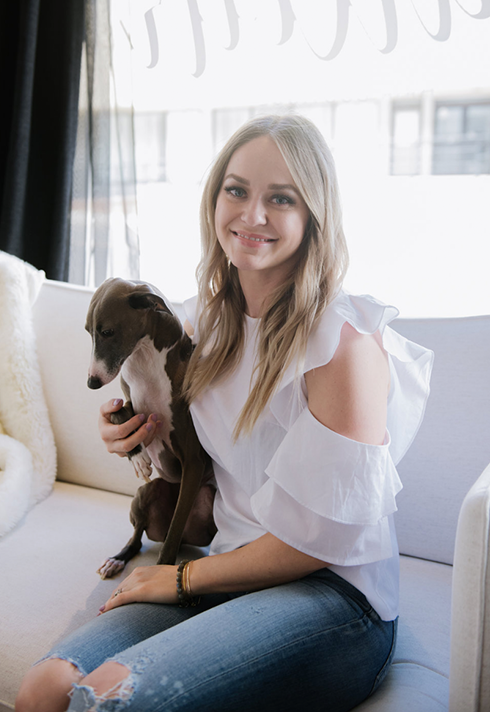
point(236, 191)
point(282, 200)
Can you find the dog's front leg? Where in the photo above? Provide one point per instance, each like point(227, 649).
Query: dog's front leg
point(138, 455)
point(193, 468)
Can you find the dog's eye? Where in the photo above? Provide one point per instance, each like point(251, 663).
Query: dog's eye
point(106, 333)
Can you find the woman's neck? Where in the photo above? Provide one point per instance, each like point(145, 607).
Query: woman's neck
point(257, 289)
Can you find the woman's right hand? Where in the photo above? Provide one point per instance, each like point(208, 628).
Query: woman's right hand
point(122, 438)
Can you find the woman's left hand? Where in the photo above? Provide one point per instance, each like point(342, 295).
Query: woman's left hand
point(146, 584)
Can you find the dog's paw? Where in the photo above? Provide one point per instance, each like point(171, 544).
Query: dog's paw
point(142, 465)
point(110, 568)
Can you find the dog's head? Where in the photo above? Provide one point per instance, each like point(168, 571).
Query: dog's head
point(120, 315)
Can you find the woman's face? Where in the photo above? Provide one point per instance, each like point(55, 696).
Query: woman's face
point(260, 216)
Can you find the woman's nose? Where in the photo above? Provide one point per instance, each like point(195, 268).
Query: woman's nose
point(254, 213)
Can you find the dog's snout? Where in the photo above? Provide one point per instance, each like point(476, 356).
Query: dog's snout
point(94, 382)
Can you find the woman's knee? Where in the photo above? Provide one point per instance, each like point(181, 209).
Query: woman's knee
point(46, 686)
point(109, 681)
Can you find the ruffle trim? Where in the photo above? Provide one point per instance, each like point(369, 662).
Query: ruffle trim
point(330, 541)
point(335, 477)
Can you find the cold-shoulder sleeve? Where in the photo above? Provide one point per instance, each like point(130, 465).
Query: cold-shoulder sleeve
point(410, 367)
point(328, 495)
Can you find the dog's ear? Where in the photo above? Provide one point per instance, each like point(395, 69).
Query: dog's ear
point(147, 300)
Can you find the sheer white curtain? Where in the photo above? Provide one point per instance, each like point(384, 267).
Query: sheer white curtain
point(104, 234)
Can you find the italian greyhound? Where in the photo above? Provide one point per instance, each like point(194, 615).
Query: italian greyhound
point(136, 333)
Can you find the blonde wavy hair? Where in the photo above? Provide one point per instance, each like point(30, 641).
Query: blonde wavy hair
point(294, 308)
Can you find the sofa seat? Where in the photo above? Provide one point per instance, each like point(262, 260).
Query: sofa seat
point(81, 526)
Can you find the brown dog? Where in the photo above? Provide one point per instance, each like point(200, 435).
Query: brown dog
point(135, 332)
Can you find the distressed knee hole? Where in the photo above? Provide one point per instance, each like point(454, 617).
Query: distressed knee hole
point(85, 699)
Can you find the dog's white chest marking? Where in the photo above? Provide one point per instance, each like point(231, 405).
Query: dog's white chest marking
point(151, 389)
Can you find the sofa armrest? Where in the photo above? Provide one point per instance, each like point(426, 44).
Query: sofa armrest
point(470, 614)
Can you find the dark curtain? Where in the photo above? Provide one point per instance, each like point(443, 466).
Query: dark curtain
point(40, 54)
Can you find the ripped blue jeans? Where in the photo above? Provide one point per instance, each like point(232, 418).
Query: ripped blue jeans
point(313, 644)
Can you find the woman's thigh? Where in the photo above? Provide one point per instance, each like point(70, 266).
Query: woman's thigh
point(119, 629)
point(313, 644)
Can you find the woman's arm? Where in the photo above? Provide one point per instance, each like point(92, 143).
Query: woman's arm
point(348, 395)
point(263, 563)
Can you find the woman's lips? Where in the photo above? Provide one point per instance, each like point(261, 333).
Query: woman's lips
point(253, 238)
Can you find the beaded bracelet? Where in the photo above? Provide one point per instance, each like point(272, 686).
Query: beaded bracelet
point(184, 593)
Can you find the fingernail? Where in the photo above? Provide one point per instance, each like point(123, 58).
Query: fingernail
point(102, 609)
point(116, 401)
point(159, 423)
point(149, 427)
point(142, 417)
point(153, 417)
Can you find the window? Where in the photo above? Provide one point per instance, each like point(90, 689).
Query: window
point(462, 139)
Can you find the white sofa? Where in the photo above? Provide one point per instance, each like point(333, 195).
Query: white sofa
point(48, 563)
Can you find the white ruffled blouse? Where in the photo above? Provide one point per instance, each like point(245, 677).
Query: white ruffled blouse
point(322, 493)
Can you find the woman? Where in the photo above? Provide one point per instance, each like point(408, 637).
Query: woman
point(305, 399)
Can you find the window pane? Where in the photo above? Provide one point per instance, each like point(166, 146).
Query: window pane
point(478, 121)
point(462, 139)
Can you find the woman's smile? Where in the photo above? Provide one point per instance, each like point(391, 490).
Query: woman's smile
point(259, 239)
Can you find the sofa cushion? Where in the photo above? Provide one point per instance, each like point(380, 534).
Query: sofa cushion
point(451, 449)
point(64, 353)
point(51, 587)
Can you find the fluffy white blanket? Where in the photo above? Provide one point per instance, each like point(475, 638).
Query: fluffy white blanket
point(27, 449)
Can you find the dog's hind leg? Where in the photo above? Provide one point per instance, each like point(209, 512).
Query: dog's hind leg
point(139, 519)
point(151, 511)
point(115, 564)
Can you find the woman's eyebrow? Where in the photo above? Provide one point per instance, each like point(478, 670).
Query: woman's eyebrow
point(283, 186)
point(237, 178)
point(272, 186)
